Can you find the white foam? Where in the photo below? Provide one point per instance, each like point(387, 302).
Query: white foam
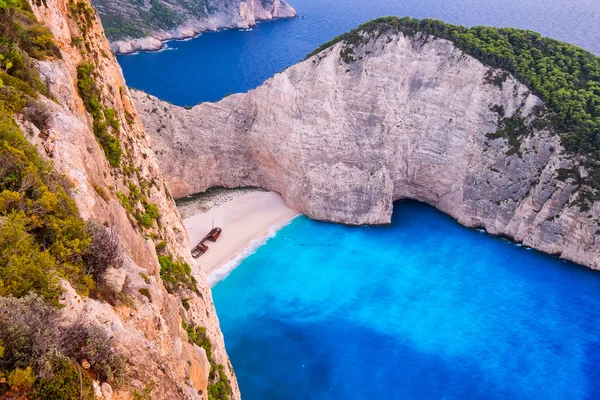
point(223, 271)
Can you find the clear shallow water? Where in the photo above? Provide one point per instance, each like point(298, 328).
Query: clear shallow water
point(216, 64)
point(421, 309)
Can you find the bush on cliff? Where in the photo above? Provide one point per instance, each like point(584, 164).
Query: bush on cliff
point(40, 355)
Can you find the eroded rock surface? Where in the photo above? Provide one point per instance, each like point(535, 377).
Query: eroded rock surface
point(147, 330)
point(407, 120)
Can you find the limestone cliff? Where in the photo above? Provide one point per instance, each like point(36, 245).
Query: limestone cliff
point(407, 117)
point(147, 325)
point(134, 25)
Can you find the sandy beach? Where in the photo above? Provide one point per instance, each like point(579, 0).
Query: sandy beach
point(248, 218)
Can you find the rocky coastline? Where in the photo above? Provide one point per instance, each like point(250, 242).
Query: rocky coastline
point(409, 118)
point(246, 16)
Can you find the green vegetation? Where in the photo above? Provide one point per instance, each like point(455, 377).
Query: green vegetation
point(132, 18)
point(565, 77)
point(513, 128)
point(163, 16)
point(40, 354)
point(103, 118)
point(219, 387)
point(186, 304)
point(137, 205)
point(176, 274)
point(118, 27)
point(146, 293)
point(146, 393)
point(42, 237)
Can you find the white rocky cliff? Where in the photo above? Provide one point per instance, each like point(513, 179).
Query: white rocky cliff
point(407, 120)
point(147, 326)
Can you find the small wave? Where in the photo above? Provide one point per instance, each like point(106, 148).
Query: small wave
point(222, 272)
point(246, 30)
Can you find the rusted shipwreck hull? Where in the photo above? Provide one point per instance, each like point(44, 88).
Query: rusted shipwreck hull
point(201, 248)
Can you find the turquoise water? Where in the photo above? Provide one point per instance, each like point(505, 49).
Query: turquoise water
point(424, 308)
point(216, 64)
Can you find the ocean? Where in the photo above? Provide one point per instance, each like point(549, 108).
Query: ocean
point(421, 309)
point(217, 64)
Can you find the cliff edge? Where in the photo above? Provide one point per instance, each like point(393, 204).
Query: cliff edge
point(99, 296)
point(392, 111)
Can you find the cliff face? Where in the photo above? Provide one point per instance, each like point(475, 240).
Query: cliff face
point(147, 326)
point(134, 25)
point(407, 120)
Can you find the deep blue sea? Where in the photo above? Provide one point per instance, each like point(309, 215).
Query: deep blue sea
point(216, 64)
point(422, 309)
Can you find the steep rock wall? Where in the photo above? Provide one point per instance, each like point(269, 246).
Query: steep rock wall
point(407, 119)
point(148, 332)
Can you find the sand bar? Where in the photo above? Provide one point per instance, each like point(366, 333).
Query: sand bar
point(248, 218)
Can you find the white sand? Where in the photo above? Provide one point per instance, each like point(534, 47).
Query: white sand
point(248, 219)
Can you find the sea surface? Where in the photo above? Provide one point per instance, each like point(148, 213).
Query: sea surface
point(421, 309)
point(216, 64)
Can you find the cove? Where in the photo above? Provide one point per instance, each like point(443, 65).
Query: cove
point(424, 308)
point(220, 63)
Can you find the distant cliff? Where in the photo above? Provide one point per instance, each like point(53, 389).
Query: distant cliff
point(387, 113)
point(143, 25)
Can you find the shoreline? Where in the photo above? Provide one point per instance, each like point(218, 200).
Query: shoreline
point(158, 43)
point(248, 217)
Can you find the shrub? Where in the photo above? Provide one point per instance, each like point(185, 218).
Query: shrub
point(83, 340)
point(198, 336)
point(146, 293)
point(68, 382)
point(101, 192)
point(145, 277)
point(186, 304)
point(176, 274)
point(219, 386)
point(24, 266)
point(37, 113)
point(33, 336)
point(160, 247)
point(42, 236)
point(29, 331)
point(91, 96)
point(104, 250)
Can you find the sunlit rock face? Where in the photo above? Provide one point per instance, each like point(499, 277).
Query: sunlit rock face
point(147, 331)
point(407, 119)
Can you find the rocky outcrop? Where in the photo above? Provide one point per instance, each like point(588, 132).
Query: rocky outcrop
point(408, 119)
point(133, 26)
point(146, 329)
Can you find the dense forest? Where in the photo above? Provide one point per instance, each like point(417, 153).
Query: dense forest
point(564, 76)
